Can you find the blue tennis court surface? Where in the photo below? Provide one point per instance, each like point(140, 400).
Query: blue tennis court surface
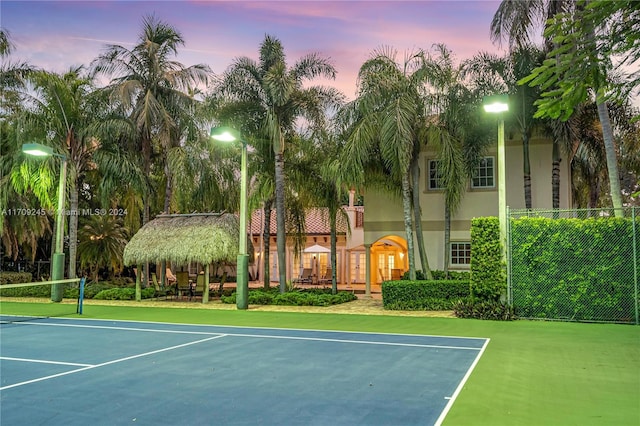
point(81, 372)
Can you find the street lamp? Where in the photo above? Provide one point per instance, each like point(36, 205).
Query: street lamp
point(498, 104)
point(57, 260)
point(226, 134)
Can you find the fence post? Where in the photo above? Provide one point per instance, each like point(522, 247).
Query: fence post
point(508, 259)
point(634, 229)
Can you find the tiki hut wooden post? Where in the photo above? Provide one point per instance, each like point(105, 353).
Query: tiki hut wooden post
point(186, 238)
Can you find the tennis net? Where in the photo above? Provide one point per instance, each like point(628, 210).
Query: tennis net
point(29, 301)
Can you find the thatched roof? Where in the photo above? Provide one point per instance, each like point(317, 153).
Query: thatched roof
point(202, 238)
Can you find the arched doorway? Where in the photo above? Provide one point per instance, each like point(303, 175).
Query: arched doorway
point(388, 258)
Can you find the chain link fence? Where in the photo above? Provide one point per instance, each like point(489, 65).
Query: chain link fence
point(574, 265)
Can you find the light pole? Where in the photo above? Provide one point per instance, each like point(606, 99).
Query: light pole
point(226, 134)
point(498, 104)
point(57, 259)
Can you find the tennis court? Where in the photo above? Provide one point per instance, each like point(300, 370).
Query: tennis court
point(73, 371)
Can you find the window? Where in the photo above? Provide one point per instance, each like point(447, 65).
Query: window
point(460, 253)
point(483, 175)
point(435, 177)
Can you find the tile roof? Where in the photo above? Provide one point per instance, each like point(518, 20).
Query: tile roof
point(317, 222)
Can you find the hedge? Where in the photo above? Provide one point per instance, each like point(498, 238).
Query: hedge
point(488, 277)
point(423, 295)
point(577, 269)
point(15, 277)
point(311, 297)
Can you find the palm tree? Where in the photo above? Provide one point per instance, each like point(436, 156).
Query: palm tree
point(153, 89)
point(61, 106)
point(515, 20)
point(456, 131)
point(385, 123)
point(492, 74)
point(277, 96)
point(102, 241)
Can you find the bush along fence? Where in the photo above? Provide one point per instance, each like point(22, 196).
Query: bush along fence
point(578, 265)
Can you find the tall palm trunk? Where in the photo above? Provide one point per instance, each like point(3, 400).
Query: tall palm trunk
point(417, 213)
point(266, 241)
point(526, 167)
point(73, 226)
point(447, 238)
point(408, 223)
point(168, 188)
point(146, 212)
point(280, 215)
point(555, 176)
point(612, 162)
point(334, 242)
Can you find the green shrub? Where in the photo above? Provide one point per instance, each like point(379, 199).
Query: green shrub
point(15, 277)
point(70, 291)
point(423, 295)
point(488, 277)
point(310, 297)
point(127, 293)
point(575, 269)
point(483, 309)
point(439, 275)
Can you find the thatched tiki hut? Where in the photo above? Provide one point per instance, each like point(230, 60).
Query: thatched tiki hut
point(182, 239)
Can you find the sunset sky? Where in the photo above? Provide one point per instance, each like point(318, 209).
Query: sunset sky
point(58, 34)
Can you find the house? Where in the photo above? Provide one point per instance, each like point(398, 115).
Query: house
point(384, 233)
point(315, 253)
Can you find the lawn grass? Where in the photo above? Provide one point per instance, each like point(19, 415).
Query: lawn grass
point(532, 373)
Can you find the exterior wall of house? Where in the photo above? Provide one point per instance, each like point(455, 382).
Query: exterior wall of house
point(384, 217)
point(349, 248)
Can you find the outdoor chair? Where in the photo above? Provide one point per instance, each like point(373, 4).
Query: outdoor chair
point(326, 277)
point(198, 289)
point(183, 284)
point(160, 290)
point(305, 277)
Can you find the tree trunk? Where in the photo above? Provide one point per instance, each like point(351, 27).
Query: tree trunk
point(417, 213)
point(146, 212)
point(73, 226)
point(447, 238)
point(266, 237)
point(334, 242)
point(168, 189)
point(612, 161)
point(555, 177)
point(408, 223)
point(280, 215)
point(526, 168)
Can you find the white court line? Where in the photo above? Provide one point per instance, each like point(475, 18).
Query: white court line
point(110, 362)
point(453, 397)
point(42, 361)
point(110, 327)
point(266, 336)
point(256, 328)
point(363, 342)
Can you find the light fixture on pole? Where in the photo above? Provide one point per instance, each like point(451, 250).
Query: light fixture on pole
point(498, 104)
point(226, 134)
point(57, 259)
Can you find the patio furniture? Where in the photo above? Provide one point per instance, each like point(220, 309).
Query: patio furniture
point(198, 288)
point(183, 283)
point(305, 277)
point(326, 277)
point(160, 290)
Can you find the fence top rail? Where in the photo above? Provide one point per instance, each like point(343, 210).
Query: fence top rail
point(70, 280)
point(603, 212)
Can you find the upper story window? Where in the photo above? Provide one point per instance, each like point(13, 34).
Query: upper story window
point(435, 177)
point(483, 176)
